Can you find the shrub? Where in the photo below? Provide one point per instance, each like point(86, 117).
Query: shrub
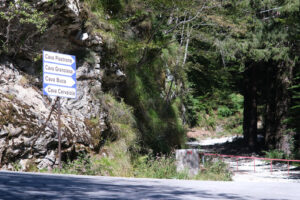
point(276, 154)
point(21, 20)
point(224, 111)
point(112, 6)
point(120, 119)
point(82, 165)
point(165, 167)
point(236, 101)
point(157, 167)
point(118, 163)
point(215, 171)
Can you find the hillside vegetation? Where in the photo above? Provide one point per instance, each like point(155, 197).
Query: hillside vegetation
point(166, 66)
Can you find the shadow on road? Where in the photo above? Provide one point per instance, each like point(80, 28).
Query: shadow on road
point(236, 147)
point(29, 186)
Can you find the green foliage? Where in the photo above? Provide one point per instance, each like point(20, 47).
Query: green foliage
point(218, 109)
point(82, 165)
point(25, 14)
point(276, 154)
point(165, 167)
point(236, 102)
point(215, 171)
point(16, 166)
point(114, 161)
point(121, 123)
point(158, 120)
point(113, 6)
point(157, 167)
point(90, 58)
point(85, 164)
point(143, 61)
point(94, 128)
point(20, 23)
point(224, 111)
point(208, 121)
point(234, 124)
point(147, 166)
point(120, 119)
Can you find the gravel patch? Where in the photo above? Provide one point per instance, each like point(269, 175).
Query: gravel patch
point(213, 141)
point(243, 168)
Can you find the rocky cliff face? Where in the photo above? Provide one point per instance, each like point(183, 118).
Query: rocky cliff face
point(28, 120)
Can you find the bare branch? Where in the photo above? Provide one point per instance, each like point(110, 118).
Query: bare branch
point(263, 11)
point(191, 19)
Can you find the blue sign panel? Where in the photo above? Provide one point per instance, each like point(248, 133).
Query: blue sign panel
point(59, 74)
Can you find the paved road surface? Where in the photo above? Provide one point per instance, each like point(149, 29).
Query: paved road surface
point(16, 186)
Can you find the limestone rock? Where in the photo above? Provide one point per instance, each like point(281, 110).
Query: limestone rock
point(84, 36)
point(27, 130)
point(24, 129)
point(24, 164)
point(13, 131)
point(74, 6)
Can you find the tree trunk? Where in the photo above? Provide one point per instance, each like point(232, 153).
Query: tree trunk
point(277, 135)
point(250, 108)
point(269, 119)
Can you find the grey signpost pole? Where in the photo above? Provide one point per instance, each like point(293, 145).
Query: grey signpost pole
point(59, 132)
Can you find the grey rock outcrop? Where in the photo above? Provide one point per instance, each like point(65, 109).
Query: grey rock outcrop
point(24, 128)
point(28, 120)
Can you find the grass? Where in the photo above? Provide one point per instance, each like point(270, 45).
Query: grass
point(215, 171)
point(116, 163)
point(157, 167)
point(147, 166)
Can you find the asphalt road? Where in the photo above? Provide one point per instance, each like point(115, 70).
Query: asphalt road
point(45, 186)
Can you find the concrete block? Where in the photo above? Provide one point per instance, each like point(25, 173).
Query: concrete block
point(188, 159)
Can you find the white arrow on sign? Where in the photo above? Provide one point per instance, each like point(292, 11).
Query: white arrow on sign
point(58, 69)
point(58, 80)
point(60, 91)
point(58, 58)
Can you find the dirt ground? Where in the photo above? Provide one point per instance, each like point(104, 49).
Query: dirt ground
point(243, 169)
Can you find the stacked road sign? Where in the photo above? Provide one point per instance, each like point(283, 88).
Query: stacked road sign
point(59, 77)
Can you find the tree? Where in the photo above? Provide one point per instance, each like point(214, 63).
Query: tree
point(19, 24)
point(260, 43)
point(268, 64)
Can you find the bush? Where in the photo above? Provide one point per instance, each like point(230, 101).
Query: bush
point(82, 165)
point(217, 171)
point(157, 167)
point(120, 119)
point(276, 154)
point(118, 163)
point(224, 111)
point(22, 21)
point(113, 7)
point(158, 120)
point(236, 102)
point(115, 163)
point(165, 167)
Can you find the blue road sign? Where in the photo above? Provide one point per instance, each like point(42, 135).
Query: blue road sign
point(59, 74)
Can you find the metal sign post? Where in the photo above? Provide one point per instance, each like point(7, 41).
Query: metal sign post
point(59, 79)
point(59, 132)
